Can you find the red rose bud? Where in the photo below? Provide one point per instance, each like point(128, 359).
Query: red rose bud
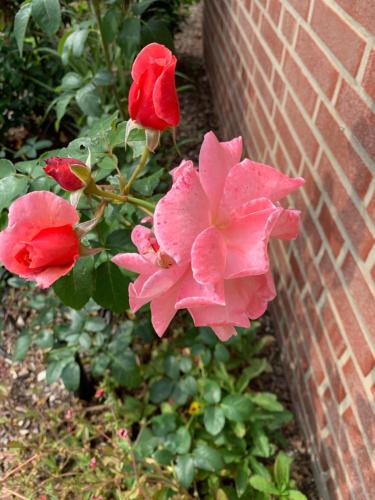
point(123, 433)
point(153, 101)
point(59, 169)
point(99, 393)
point(92, 463)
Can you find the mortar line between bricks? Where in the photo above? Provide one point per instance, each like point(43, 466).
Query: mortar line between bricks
point(345, 181)
point(351, 80)
point(364, 61)
point(370, 193)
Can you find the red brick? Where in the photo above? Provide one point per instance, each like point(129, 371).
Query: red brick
point(360, 399)
point(274, 8)
point(338, 485)
point(352, 328)
point(362, 11)
point(334, 334)
point(310, 187)
point(289, 26)
point(287, 139)
point(314, 236)
point(333, 235)
point(359, 450)
point(255, 13)
point(340, 38)
point(278, 86)
point(301, 6)
point(317, 408)
point(310, 144)
point(262, 90)
point(368, 81)
point(371, 208)
point(353, 166)
point(352, 220)
point(358, 116)
point(316, 62)
point(364, 297)
point(264, 122)
point(261, 56)
point(297, 272)
point(301, 85)
point(270, 37)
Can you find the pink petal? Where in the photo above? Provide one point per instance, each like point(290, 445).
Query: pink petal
point(261, 290)
point(247, 239)
point(165, 96)
point(181, 215)
point(160, 281)
point(224, 333)
point(253, 206)
point(177, 171)
point(249, 180)
point(215, 161)
point(39, 210)
point(134, 262)
point(135, 300)
point(288, 225)
point(193, 293)
point(208, 256)
point(163, 310)
point(218, 315)
point(44, 279)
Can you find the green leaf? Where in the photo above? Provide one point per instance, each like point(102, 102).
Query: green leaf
point(110, 25)
point(296, 495)
point(71, 81)
point(103, 78)
point(73, 44)
point(161, 390)
point(71, 376)
point(172, 367)
point(47, 14)
point(262, 446)
point(125, 370)
point(182, 440)
point(237, 407)
point(54, 370)
point(88, 100)
point(241, 478)
point(211, 391)
point(155, 30)
point(185, 470)
point(255, 368)
point(6, 168)
point(99, 364)
point(267, 400)
point(214, 420)
point(258, 468)
point(281, 469)
point(45, 339)
point(207, 458)
point(95, 324)
point(129, 37)
point(20, 24)
point(76, 288)
point(111, 289)
point(147, 185)
point(163, 425)
point(221, 353)
point(120, 241)
point(140, 7)
point(261, 484)
point(137, 141)
point(22, 345)
point(10, 188)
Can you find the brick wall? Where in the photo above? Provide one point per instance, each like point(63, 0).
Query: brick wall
point(297, 79)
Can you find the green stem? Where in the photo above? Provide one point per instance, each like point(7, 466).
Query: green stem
point(96, 8)
point(138, 169)
point(141, 203)
point(93, 189)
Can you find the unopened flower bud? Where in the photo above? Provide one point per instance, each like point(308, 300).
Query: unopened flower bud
point(60, 169)
point(92, 463)
point(123, 433)
point(99, 393)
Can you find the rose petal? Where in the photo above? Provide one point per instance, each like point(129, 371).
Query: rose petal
point(208, 256)
point(181, 215)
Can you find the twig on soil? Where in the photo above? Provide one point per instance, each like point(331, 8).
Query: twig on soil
point(16, 469)
point(14, 493)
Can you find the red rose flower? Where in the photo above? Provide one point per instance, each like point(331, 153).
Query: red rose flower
point(59, 169)
point(153, 101)
point(40, 243)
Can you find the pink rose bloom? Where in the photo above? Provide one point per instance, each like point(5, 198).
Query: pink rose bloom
point(209, 252)
point(40, 243)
